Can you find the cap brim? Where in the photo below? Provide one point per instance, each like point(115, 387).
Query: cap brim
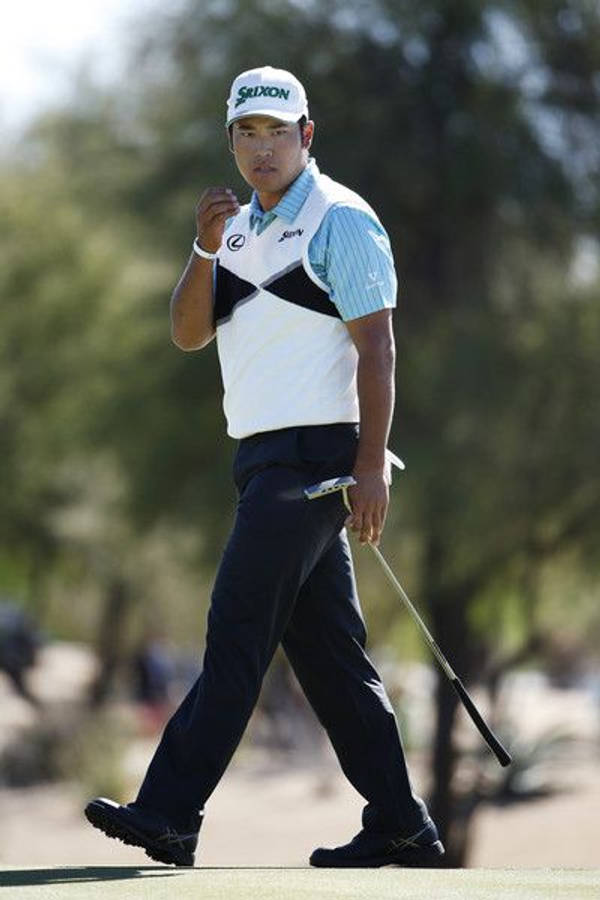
point(280, 115)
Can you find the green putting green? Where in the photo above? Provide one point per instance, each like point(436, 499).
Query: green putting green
point(156, 883)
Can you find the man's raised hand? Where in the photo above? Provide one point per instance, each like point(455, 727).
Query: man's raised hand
point(215, 206)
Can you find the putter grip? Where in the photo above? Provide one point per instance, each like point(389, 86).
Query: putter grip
point(487, 734)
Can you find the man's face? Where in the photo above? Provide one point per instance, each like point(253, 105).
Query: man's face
point(270, 154)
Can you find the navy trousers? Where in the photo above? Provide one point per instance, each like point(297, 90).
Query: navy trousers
point(286, 577)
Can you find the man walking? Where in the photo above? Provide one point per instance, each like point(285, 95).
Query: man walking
point(298, 287)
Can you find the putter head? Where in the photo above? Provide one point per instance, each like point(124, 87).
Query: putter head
point(328, 487)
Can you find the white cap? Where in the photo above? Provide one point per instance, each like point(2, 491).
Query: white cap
point(267, 92)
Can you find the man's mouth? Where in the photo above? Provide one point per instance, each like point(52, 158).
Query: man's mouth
point(264, 168)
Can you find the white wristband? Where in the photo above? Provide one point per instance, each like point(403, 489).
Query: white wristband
point(200, 252)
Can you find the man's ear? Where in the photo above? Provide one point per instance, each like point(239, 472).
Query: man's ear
point(308, 134)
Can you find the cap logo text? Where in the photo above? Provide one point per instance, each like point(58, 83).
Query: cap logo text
point(261, 90)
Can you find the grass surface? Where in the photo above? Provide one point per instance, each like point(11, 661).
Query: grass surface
point(156, 883)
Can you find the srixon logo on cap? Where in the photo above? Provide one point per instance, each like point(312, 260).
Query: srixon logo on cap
point(261, 90)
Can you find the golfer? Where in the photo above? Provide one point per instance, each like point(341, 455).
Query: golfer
point(298, 288)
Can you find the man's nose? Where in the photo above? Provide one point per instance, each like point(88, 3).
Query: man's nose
point(264, 147)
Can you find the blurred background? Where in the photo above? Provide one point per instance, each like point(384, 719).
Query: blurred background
point(473, 128)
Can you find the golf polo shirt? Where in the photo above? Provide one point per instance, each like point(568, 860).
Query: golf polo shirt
point(286, 280)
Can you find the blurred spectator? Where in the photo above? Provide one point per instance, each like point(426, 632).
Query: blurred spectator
point(153, 675)
point(20, 641)
point(285, 720)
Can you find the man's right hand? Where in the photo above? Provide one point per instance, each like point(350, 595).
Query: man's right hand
point(215, 206)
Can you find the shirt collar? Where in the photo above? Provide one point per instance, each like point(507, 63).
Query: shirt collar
point(292, 201)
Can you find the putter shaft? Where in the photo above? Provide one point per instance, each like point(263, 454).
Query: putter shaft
point(499, 751)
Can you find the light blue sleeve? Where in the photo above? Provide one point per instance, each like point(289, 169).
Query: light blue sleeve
point(351, 254)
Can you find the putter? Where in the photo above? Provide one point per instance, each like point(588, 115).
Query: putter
point(342, 484)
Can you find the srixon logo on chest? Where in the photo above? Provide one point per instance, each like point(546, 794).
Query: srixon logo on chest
point(290, 234)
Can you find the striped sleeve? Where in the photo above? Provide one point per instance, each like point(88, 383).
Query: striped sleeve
point(352, 256)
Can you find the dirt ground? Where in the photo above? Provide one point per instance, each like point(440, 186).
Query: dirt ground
point(265, 813)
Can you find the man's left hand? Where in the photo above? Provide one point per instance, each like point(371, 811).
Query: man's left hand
point(369, 499)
